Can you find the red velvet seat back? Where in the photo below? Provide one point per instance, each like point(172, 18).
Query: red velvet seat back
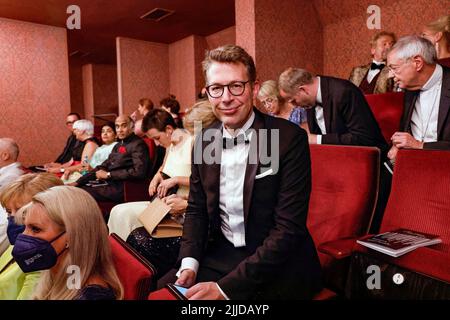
point(420, 194)
point(344, 192)
point(387, 109)
point(135, 273)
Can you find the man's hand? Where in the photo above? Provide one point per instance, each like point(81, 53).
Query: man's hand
point(392, 154)
point(204, 291)
point(312, 138)
point(187, 278)
point(101, 175)
point(405, 140)
point(177, 204)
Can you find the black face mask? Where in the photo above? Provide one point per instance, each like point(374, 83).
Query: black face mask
point(13, 229)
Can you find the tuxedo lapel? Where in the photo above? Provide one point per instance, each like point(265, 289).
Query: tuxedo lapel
point(211, 172)
point(252, 168)
point(444, 103)
point(326, 103)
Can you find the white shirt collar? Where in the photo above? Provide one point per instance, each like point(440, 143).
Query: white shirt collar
point(435, 79)
point(319, 93)
point(242, 130)
point(10, 166)
point(378, 62)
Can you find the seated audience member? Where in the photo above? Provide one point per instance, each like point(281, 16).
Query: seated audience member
point(374, 77)
point(128, 160)
point(172, 106)
point(144, 106)
point(14, 283)
point(244, 236)
point(270, 98)
point(73, 148)
point(84, 132)
point(425, 123)
point(438, 32)
point(65, 231)
point(10, 170)
point(108, 135)
point(337, 111)
point(163, 253)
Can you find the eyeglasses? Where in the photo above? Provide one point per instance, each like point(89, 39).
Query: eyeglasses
point(267, 102)
point(396, 68)
point(236, 88)
point(69, 122)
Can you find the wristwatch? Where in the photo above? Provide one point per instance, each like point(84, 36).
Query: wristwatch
point(62, 170)
point(108, 174)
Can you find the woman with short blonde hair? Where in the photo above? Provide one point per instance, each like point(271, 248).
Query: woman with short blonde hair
point(69, 220)
point(14, 283)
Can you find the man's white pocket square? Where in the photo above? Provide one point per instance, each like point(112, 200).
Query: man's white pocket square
point(263, 174)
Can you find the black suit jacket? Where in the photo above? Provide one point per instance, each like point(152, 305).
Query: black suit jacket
point(348, 118)
point(443, 129)
point(281, 252)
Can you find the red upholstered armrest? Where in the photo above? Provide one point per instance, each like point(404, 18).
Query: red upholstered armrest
point(338, 249)
point(161, 294)
point(429, 261)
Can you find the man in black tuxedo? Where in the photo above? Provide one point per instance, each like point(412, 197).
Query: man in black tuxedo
point(245, 234)
point(425, 122)
point(337, 111)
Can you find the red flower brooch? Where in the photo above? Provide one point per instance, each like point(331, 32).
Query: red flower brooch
point(122, 150)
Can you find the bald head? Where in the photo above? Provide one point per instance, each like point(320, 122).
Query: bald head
point(124, 126)
point(9, 151)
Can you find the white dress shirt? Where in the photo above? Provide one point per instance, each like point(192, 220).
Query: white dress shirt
point(9, 173)
point(372, 73)
point(319, 114)
point(231, 199)
point(424, 119)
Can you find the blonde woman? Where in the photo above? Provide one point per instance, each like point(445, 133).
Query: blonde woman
point(66, 236)
point(14, 283)
point(276, 106)
point(438, 32)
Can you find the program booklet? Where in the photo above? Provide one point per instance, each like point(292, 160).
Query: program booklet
point(398, 242)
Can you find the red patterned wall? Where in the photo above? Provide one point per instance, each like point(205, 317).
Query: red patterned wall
point(105, 89)
point(225, 36)
point(76, 88)
point(182, 71)
point(34, 88)
point(142, 71)
point(346, 36)
point(291, 37)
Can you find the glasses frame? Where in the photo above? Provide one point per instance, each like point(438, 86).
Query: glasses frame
point(228, 87)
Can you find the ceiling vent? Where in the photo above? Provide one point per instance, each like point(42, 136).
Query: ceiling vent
point(157, 14)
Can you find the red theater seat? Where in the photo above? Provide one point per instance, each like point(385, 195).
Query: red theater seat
point(161, 294)
point(387, 109)
point(135, 273)
point(419, 201)
point(343, 197)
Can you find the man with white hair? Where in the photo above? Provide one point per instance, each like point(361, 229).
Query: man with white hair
point(9, 167)
point(425, 123)
point(9, 171)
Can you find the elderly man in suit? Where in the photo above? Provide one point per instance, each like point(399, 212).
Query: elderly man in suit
point(374, 77)
point(337, 111)
point(245, 232)
point(425, 122)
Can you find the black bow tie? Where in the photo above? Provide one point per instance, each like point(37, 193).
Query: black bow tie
point(229, 143)
point(375, 66)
